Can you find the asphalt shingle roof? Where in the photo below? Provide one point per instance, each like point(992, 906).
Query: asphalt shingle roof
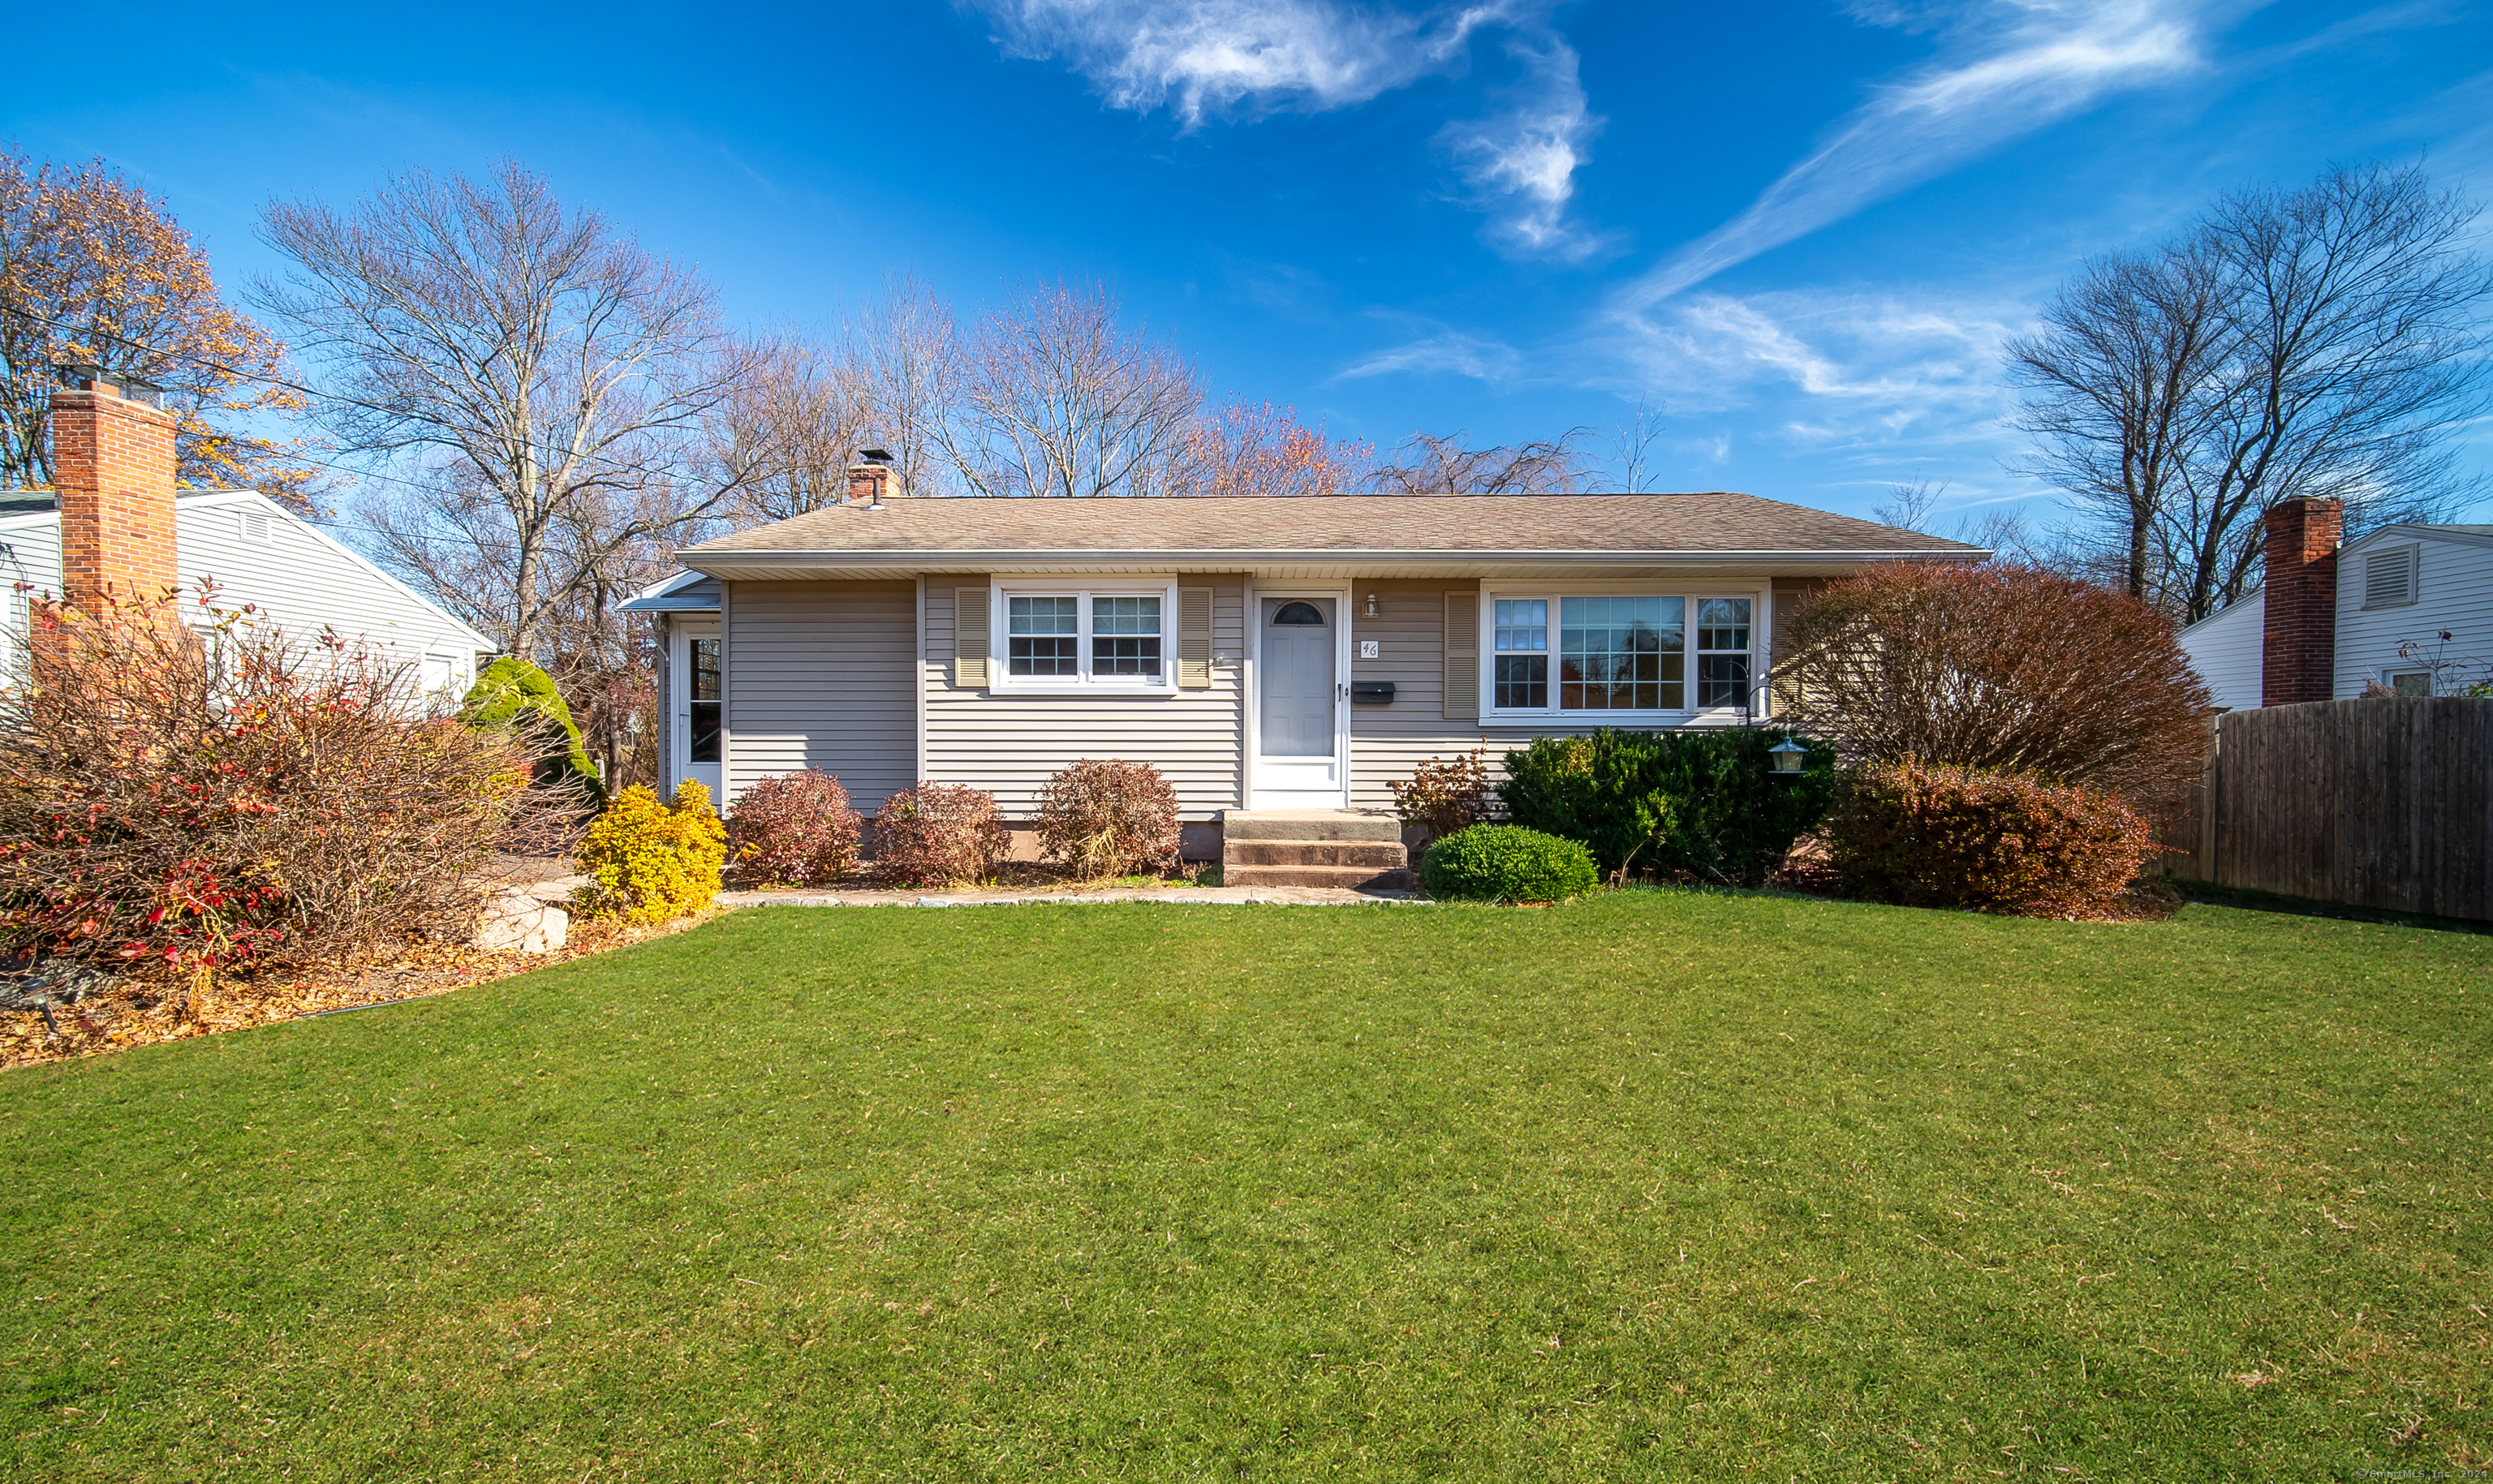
point(1715, 522)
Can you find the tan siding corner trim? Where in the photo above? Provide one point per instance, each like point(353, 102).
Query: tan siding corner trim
point(1463, 657)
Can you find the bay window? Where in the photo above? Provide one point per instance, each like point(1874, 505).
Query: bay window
point(1076, 639)
point(1598, 655)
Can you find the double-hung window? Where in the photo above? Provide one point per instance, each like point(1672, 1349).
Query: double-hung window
point(1597, 655)
point(1075, 639)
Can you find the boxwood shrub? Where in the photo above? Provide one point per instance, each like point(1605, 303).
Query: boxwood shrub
point(1507, 862)
point(1704, 803)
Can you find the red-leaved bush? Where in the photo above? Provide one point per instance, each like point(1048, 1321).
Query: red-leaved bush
point(1929, 836)
point(1108, 817)
point(938, 835)
point(794, 829)
point(1996, 666)
point(186, 801)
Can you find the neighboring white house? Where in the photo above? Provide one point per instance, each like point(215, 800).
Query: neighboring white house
point(2406, 585)
point(257, 552)
point(2398, 586)
point(2225, 650)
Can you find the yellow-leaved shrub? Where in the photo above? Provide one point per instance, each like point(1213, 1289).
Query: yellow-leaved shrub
point(649, 860)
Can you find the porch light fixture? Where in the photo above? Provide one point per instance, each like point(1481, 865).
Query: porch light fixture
point(1372, 604)
point(1787, 756)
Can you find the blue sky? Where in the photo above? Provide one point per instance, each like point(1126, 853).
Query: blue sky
point(1797, 230)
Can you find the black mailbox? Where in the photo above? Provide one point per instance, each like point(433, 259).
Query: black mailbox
point(1371, 692)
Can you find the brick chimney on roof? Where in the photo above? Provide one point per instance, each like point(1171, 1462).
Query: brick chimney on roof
point(870, 477)
point(113, 470)
point(2299, 641)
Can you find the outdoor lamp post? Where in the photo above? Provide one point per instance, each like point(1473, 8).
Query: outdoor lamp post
point(1789, 756)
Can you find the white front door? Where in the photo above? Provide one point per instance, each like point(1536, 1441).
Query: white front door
point(698, 710)
point(1301, 758)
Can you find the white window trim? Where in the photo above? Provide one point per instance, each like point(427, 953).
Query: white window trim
point(1760, 612)
point(1000, 678)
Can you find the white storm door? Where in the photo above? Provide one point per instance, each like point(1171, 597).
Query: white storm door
point(696, 678)
point(1301, 761)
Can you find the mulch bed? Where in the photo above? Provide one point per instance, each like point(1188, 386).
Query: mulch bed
point(142, 1012)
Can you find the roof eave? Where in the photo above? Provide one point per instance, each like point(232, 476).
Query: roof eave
point(709, 559)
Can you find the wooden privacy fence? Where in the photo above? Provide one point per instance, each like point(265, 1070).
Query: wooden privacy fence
point(2384, 803)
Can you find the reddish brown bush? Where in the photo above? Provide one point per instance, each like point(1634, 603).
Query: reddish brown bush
point(1995, 666)
point(187, 801)
point(1108, 819)
point(938, 835)
point(1444, 797)
point(1925, 836)
point(795, 829)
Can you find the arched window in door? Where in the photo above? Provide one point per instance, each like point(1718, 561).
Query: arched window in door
point(1302, 615)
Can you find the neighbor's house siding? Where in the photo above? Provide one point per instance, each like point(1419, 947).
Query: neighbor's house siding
point(299, 579)
point(2454, 592)
point(2227, 649)
point(1012, 745)
point(817, 678)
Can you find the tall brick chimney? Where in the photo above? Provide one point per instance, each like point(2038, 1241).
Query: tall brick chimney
point(870, 477)
point(113, 469)
point(2298, 645)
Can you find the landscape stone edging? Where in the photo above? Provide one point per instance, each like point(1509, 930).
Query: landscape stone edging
point(1198, 897)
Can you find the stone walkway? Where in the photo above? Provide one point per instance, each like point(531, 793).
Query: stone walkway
point(1218, 896)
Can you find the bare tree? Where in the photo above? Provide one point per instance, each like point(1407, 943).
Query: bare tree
point(2356, 348)
point(1049, 395)
point(2118, 382)
point(1910, 504)
point(793, 421)
point(902, 356)
point(1264, 450)
point(1631, 448)
point(528, 368)
point(1438, 463)
point(2327, 341)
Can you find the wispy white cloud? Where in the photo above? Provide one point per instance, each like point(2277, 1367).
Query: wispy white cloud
point(2006, 67)
point(1206, 56)
point(1526, 157)
point(1877, 380)
point(1483, 358)
point(1202, 59)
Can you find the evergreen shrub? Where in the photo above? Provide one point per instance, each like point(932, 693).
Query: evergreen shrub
point(518, 699)
point(1507, 862)
point(1704, 803)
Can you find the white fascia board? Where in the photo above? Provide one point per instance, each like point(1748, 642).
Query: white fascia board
point(2406, 533)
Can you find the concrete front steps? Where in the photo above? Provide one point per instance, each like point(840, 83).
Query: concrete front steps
point(1358, 848)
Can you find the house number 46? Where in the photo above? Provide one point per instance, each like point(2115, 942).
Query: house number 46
point(1367, 649)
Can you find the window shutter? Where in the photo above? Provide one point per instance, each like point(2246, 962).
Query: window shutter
point(1463, 657)
point(1193, 639)
point(970, 608)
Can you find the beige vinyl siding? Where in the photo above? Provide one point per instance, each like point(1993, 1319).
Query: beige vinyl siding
point(1387, 742)
point(817, 678)
point(1012, 745)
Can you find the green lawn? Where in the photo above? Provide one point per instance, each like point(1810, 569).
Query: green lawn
point(1655, 1186)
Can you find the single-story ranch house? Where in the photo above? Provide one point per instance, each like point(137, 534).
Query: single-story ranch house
point(1266, 654)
